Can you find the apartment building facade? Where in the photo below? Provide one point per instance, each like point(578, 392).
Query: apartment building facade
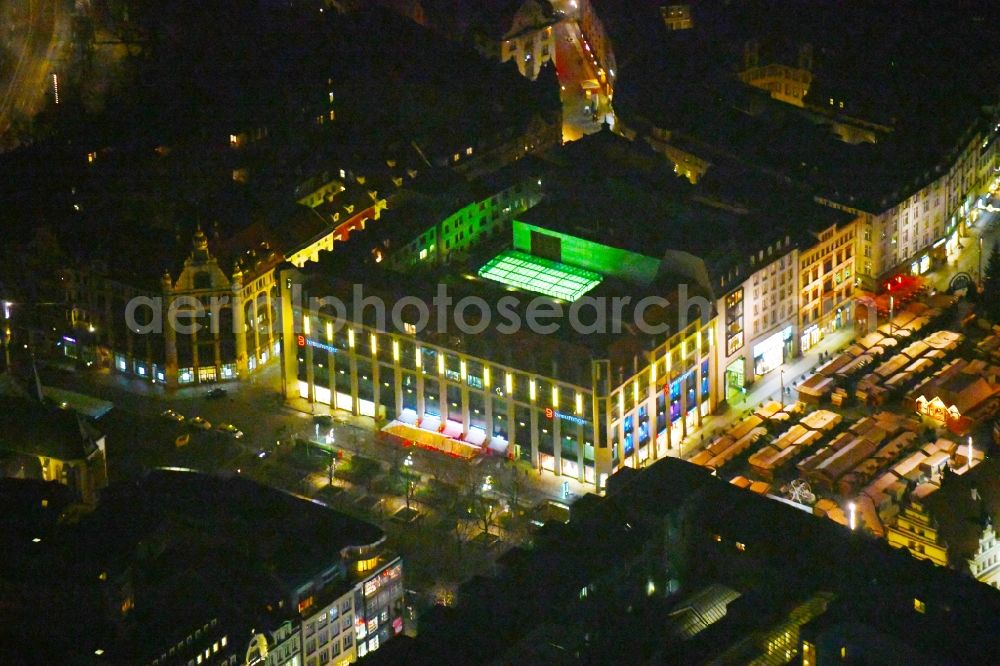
point(826, 283)
point(758, 317)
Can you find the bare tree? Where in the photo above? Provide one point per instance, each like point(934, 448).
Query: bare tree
point(485, 511)
point(512, 480)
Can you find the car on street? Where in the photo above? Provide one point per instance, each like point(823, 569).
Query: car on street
point(200, 423)
point(172, 415)
point(217, 393)
point(230, 429)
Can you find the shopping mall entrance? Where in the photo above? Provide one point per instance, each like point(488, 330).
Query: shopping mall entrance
point(772, 352)
point(735, 378)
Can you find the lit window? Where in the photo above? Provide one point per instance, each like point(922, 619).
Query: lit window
point(919, 606)
point(717, 537)
point(741, 546)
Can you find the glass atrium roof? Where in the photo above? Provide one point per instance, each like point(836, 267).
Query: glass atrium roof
point(542, 276)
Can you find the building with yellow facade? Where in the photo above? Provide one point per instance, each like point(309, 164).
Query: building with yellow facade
point(51, 444)
point(916, 531)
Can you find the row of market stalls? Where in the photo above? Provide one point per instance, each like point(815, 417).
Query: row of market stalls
point(871, 464)
point(917, 474)
point(789, 444)
point(989, 347)
point(732, 443)
point(895, 370)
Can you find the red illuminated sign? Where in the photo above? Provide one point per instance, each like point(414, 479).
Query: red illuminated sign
point(549, 413)
point(302, 341)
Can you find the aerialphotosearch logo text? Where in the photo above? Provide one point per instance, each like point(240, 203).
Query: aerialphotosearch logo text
point(470, 315)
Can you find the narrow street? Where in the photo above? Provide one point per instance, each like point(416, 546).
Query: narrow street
point(987, 228)
point(34, 34)
point(583, 109)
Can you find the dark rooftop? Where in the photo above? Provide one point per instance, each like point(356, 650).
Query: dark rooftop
point(609, 190)
point(32, 428)
point(292, 537)
point(923, 75)
point(962, 515)
point(786, 558)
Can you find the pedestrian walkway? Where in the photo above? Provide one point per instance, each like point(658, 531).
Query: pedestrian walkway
point(767, 388)
point(541, 485)
point(969, 259)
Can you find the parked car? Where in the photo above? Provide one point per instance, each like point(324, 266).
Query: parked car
point(200, 423)
point(217, 393)
point(229, 428)
point(173, 416)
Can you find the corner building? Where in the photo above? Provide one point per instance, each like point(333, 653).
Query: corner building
point(571, 407)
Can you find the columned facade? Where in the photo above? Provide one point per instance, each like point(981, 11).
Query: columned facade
point(542, 419)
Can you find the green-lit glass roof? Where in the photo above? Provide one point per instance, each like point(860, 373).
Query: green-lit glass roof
point(541, 276)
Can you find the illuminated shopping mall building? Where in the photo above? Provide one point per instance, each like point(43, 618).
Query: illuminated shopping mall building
point(582, 405)
point(577, 402)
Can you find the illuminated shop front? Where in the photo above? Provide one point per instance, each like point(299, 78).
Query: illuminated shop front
point(464, 405)
point(772, 352)
point(921, 265)
point(445, 399)
point(735, 378)
point(665, 402)
point(810, 336)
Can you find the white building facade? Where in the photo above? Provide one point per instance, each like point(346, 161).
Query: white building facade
point(757, 317)
point(985, 564)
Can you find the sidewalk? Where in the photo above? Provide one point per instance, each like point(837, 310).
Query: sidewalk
point(968, 260)
point(540, 485)
point(767, 388)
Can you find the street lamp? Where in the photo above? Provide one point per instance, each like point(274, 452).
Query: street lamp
point(782, 380)
point(6, 334)
point(892, 304)
point(980, 262)
point(409, 480)
point(333, 457)
point(854, 514)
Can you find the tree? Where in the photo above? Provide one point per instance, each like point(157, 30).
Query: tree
point(402, 476)
point(991, 285)
point(512, 480)
point(411, 485)
point(363, 471)
point(485, 511)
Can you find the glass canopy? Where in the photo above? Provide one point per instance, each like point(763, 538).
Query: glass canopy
point(542, 276)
